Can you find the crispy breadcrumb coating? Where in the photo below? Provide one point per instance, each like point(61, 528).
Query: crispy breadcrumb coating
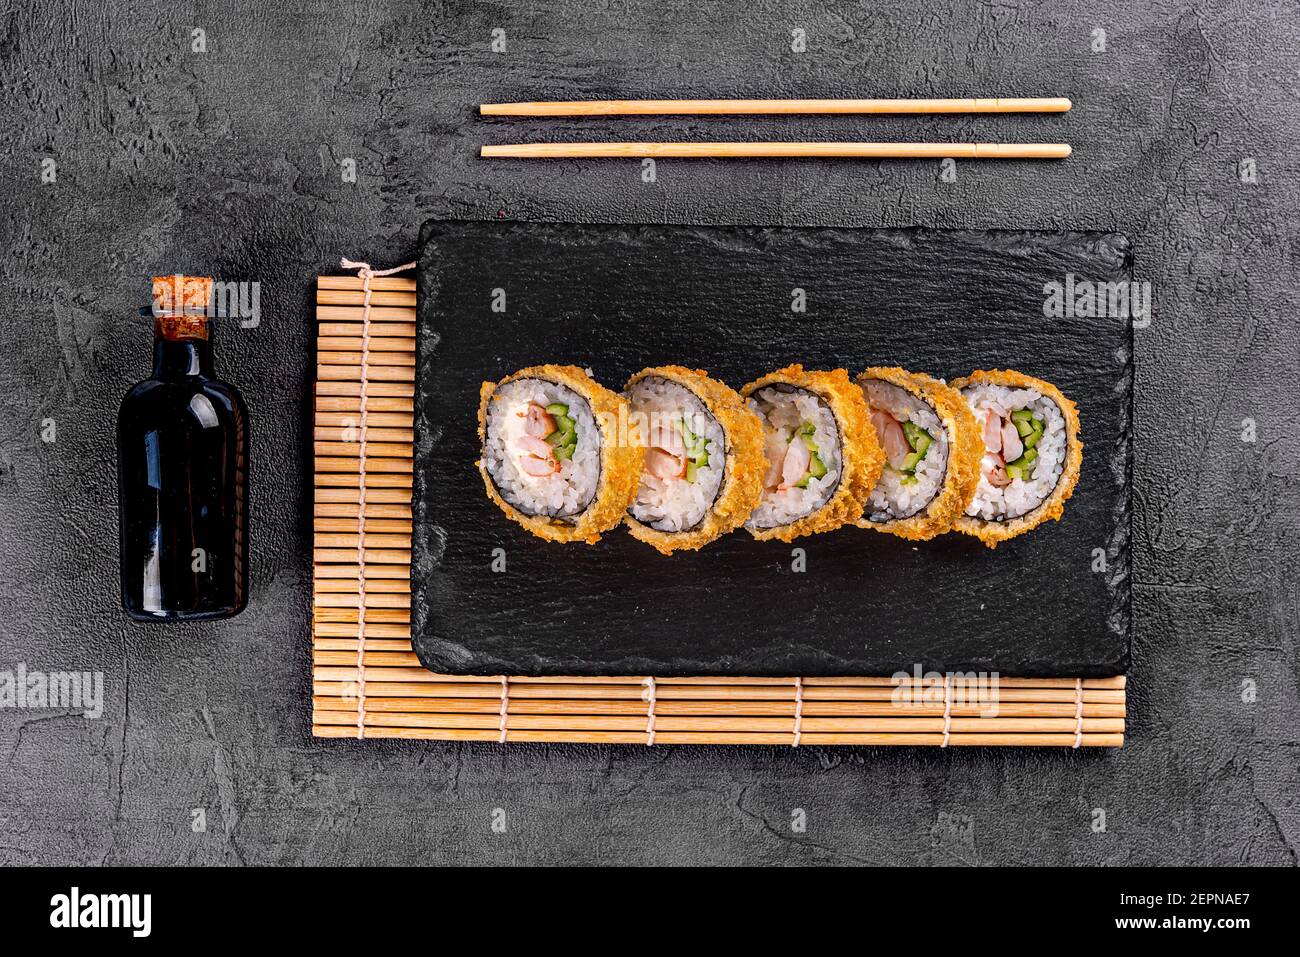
point(863, 459)
point(1052, 507)
point(965, 448)
point(742, 478)
point(620, 462)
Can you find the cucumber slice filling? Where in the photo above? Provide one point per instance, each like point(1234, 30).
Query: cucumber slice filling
point(1031, 429)
point(697, 455)
point(564, 440)
point(919, 441)
point(816, 467)
point(918, 438)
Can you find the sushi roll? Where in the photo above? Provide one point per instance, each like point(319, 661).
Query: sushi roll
point(551, 455)
point(822, 455)
point(932, 453)
point(1031, 453)
point(704, 464)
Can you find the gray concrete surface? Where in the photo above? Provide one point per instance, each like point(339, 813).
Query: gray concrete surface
point(228, 161)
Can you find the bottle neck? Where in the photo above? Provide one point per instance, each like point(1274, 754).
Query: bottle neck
point(181, 347)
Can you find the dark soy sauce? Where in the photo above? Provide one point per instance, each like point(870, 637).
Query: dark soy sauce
point(182, 445)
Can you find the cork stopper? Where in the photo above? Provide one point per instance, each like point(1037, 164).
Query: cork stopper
point(180, 306)
point(181, 294)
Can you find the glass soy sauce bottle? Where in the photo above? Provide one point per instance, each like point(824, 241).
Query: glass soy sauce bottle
point(182, 457)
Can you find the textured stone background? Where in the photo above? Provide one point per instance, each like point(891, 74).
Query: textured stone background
point(228, 162)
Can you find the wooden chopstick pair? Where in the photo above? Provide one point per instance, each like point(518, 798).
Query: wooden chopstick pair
point(778, 107)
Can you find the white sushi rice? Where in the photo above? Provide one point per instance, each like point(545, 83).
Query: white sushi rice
point(783, 411)
point(891, 499)
point(564, 494)
point(1021, 496)
point(675, 504)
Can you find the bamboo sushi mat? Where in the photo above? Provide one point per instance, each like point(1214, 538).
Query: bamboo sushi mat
point(367, 681)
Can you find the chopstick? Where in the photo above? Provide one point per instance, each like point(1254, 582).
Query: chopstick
point(1058, 104)
point(814, 150)
point(772, 149)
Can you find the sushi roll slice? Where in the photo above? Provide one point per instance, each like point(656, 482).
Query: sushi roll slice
point(704, 464)
point(551, 455)
point(822, 455)
point(1031, 453)
point(932, 453)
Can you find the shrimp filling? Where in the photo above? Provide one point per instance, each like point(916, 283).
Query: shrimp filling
point(802, 443)
point(916, 449)
point(1024, 450)
point(685, 455)
point(542, 448)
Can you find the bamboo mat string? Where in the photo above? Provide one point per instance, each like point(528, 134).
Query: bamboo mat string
point(798, 712)
point(366, 274)
point(505, 707)
point(648, 695)
point(1078, 712)
point(947, 710)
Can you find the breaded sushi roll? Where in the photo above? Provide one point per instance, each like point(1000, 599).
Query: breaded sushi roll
point(822, 456)
point(704, 462)
point(552, 458)
point(1031, 453)
point(932, 453)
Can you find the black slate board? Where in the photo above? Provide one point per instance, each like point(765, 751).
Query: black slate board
point(618, 298)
